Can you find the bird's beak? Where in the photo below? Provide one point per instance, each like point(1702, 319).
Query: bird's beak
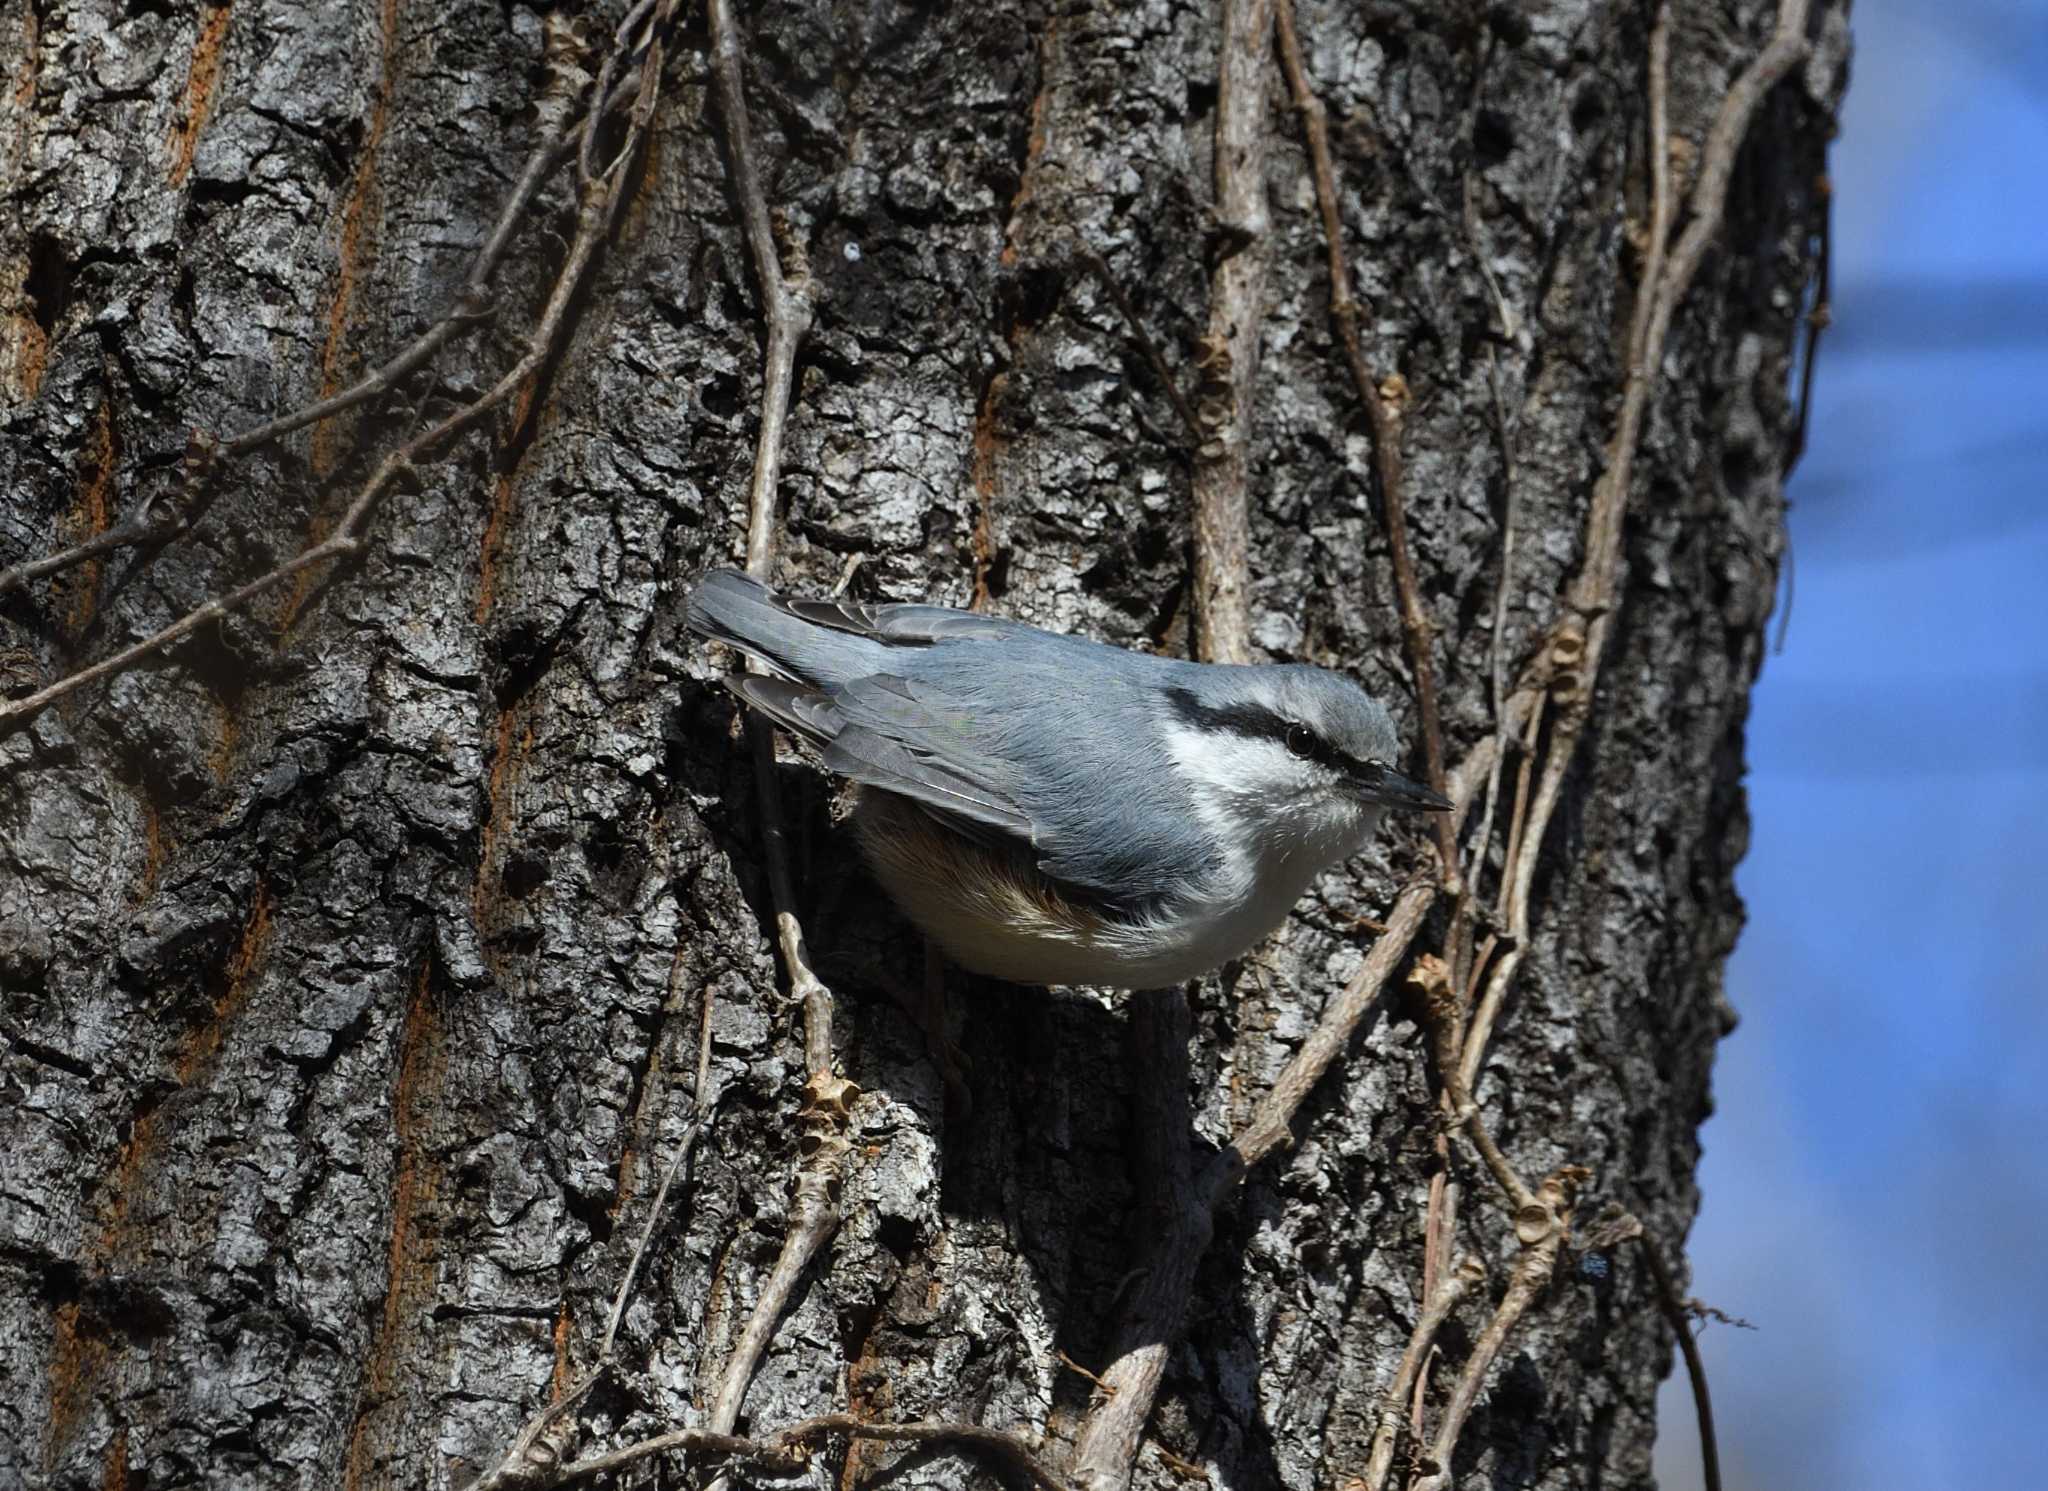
point(1390, 789)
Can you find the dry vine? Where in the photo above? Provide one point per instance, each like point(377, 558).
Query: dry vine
point(538, 1455)
point(786, 305)
point(600, 195)
point(786, 297)
point(783, 1452)
point(1556, 688)
point(1558, 681)
point(1107, 1445)
point(1563, 676)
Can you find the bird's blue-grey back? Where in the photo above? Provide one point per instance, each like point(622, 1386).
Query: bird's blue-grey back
point(1000, 728)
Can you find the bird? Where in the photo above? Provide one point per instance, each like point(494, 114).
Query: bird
point(1055, 810)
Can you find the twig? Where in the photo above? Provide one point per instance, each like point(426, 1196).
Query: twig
point(1709, 201)
point(1186, 1469)
point(1230, 349)
point(1542, 1229)
point(766, 1453)
point(1674, 1308)
point(786, 304)
point(1080, 1371)
point(470, 308)
point(1106, 277)
point(593, 216)
point(1564, 674)
point(785, 297)
point(535, 1456)
point(1665, 285)
point(1106, 1446)
point(137, 529)
point(1271, 1123)
point(1817, 320)
point(587, 168)
point(1575, 653)
point(809, 990)
point(1437, 1308)
point(1592, 590)
point(1432, 976)
point(1518, 816)
point(782, 1452)
point(1504, 586)
point(1382, 400)
point(813, 1218)
point(707, 1108)
point(1572, 659)
point(1108, 1442)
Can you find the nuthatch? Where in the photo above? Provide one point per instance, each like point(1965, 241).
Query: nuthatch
point(1059, 811)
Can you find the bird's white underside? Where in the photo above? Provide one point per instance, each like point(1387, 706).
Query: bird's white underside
point(1275, 824)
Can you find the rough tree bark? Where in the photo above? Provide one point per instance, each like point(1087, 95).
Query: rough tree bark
point(355, 953)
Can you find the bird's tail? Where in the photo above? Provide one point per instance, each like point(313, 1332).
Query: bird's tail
point(738, 610)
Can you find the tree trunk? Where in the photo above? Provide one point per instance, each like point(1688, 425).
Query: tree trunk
point(356, 951)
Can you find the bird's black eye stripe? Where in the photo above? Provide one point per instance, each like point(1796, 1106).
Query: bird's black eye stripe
point(1262, 724)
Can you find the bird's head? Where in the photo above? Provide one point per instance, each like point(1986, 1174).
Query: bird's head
point(1287, 756)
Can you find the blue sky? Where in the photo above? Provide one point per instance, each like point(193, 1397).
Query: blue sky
point(1876, 1175)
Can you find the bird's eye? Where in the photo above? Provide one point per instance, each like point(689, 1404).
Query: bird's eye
point(1301, 741)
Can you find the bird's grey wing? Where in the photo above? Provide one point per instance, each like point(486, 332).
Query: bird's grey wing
point(1116, 839)
point(957, 742)
point(904, 623)
point(956, 786)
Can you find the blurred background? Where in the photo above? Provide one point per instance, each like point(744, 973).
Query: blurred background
point(1876, 1174)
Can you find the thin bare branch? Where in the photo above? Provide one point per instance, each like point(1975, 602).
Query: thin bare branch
point(1271, 1123)
point(623, 41)
point(1510, 332)
point(535, 1456)
point(1709, 200)
point(593, 215)
point(1382, 401)
point(767, 1454)
point(786, 304)
point(1106, 1446)
point(1572, 660)
point(784, 1452)
point(1106, 277)
point(814, 1217)
point(996, 1444)
point(469, 309)
point(137, 529)
point(1432, 977)
point(1543, 1228)
point(706, 1110)
point(1228, 360)
point(1457, 1282)
point(1674, 1307)
point(1818, 319)
point(785, 296)
point(1564, 675)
